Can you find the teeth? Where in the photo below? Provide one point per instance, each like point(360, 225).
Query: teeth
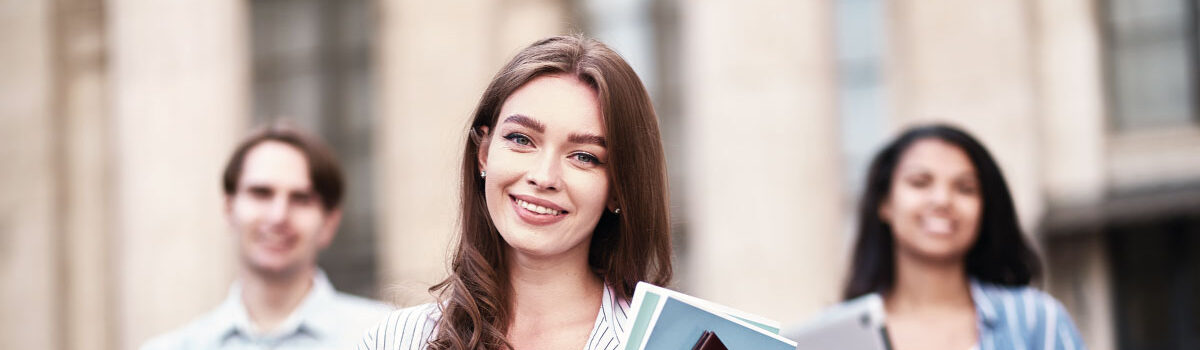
point(938, 225)
point(537, 208)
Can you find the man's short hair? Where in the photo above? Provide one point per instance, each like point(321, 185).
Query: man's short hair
point(323, 170)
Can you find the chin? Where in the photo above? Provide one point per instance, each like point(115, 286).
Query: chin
point(943, 253)
point(271, 263)
point(533, 249)
point(539, 249)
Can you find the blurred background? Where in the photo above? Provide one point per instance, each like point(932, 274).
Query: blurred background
point(117, 117)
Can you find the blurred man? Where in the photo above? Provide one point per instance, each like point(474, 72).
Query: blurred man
point(282, 199)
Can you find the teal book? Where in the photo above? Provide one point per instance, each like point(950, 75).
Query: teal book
point(665, 319)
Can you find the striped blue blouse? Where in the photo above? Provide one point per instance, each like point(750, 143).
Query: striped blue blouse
point(1022, 318)
point(413, 328)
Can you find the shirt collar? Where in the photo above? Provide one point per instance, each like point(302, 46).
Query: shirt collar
point(611, 322)
point(983, 305)
point(232, 318)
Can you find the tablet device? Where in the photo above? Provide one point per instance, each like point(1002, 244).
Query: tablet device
point(854, 325)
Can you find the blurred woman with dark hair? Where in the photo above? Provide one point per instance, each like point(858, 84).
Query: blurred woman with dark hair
point(564, 209)
point(939, 241)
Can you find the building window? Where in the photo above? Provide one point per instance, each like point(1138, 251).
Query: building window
point(1152, 63)
point(311, 61)
point(1156, 274)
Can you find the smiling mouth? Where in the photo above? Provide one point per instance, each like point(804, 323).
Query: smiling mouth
point(537, 209)
point(275, 244)
point(937, 225)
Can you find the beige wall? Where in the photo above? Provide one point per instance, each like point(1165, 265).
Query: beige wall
point(762, 178)
point(179, 91)
point(85, 175)
point(28, 224)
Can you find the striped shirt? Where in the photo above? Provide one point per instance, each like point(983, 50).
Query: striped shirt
point(1021, 318)
point(325, 319)
point(413, 328)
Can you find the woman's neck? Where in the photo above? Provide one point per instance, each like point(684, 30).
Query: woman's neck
point(928, 285)
point(553, 290)
point(269, 300)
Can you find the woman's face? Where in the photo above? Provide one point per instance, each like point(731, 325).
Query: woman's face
point(547, 182)
point(935, 202)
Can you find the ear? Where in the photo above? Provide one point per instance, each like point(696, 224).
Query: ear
point(329, 229)
point(612, 203)
point(229, 210)
point(485, 140)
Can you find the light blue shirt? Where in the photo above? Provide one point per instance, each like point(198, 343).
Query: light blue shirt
point(326, 319)
point(1022, 318)
point(413, 328)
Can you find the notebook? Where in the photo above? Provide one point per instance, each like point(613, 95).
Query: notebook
point(664, 319)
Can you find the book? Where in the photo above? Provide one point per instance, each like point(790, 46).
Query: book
point(664, 319)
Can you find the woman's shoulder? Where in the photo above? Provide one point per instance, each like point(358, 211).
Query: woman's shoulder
point(1007, 299)
point(1035, 315)
point(406, 329)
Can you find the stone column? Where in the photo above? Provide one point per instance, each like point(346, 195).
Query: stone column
point(84, 181)
point(179, 88)
point(1073, 166)
point(763, 182)
point(435, 59)
point(29, 257)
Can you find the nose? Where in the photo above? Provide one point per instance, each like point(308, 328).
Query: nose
point(277, 213)
point(941, 195)
point(546, 173)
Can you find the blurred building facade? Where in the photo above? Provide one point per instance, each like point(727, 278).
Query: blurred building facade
point(117, 117)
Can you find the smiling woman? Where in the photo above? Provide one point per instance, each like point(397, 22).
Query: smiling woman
point(564, 210)
point(938, 239)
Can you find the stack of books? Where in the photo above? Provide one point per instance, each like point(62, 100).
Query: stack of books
point(664, 319)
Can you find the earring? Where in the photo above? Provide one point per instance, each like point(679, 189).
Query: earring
point(483, 173)
point(617, 211)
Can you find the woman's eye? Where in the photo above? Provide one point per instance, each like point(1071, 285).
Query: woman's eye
point(586, 158)
point(968, 188)
point(519, 139)
point(919, 181)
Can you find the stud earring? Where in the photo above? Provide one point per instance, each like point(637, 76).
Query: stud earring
point(617, 211)
point(482, 173)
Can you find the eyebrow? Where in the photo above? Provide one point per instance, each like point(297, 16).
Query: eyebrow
point(536, 125)
point(587, 139)
point(526, 122)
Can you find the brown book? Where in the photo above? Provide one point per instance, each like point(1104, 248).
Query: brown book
point(709, 341)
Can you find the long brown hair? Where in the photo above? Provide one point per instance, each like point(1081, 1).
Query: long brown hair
point(632, 246)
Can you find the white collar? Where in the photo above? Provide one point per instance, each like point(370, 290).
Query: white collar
point(233, 319)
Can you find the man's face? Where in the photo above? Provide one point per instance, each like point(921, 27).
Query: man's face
point(278, 218)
